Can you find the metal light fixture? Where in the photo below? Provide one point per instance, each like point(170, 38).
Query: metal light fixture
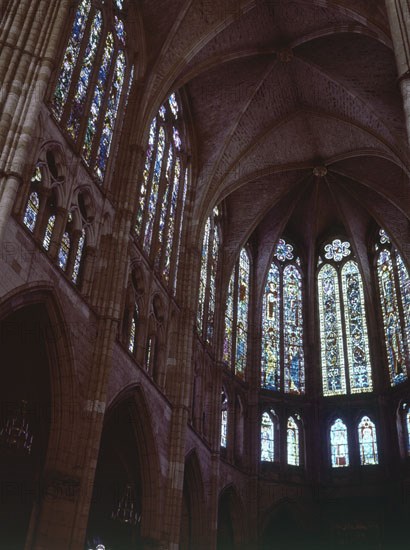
point(15, 435)
point(126, 509)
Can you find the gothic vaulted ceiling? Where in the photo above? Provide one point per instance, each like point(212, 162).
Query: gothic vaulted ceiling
point(296, 112)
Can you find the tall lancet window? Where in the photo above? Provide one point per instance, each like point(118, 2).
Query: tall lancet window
point(224, 419)
point(163, 191)
point(94, 79)
point(236, 316)
point(207, 281)
point(345, 356)
point(339, 447)
point(367, 442)
point(293, 441)
point(283, 364)
point(269, 439)
point(394, 295)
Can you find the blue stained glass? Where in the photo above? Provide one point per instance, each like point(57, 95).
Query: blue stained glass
point(118, 4)
point(357, 341)
point(212, 283)
point(283, 251)
point(172, 218)
point(174, 105)
point(99, 92)
point(229, 313)
point(224, 419)
point(337, 250)
point(119, 29)
point(293, 442)
point(270, 367)
point(242, 314)
point(131, 342)
point(64, 251)
point(176, 138)
point(339, 445)
point(164, 206)
point(70, 58)
point(154, 188)
point(179, 234)
point(391, 318)
point(146, 173)
point(78, 257)
point(331, 334)
point(77, 109)
point(294, 371)
point(367, 442)
point(110, 115)
point(267, 438)
point(30, 215)
point(204, 274)
point(404, 283)
point(49, 232)
point(408, 431)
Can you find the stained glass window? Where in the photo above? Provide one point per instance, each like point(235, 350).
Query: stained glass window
point(339, 444)
point(293, 442)
point(270, 369)
point(224, 419)
point(294, 371)
point(78, 257)
point(207, 289)
point(30, 215)
point(132, 335)
point(92, 80)
point(268, 437)
point(394, 295)
point(163, 191)
point(33, 203)
point(49, 232)
point(282, 364)
point(229, 320)
point(345, 356)
point(408, 431)
point(357, 341)
point(236, 316)
point(64, 251)
point(367, 442)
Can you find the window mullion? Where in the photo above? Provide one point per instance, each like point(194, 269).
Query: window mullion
point(149, 184)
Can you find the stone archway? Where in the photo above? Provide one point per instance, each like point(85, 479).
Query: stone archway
point(36, 358)
point(194, 512)
point(231, 520)
point(127, 461)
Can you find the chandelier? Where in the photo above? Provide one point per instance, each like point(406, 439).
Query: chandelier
point(126, 509)
point(15, 435)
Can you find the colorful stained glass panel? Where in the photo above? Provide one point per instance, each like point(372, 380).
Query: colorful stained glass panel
point(294, 371)
point(357, 341)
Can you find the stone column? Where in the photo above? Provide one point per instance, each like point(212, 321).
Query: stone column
point(399, 18)
point(29, 39)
